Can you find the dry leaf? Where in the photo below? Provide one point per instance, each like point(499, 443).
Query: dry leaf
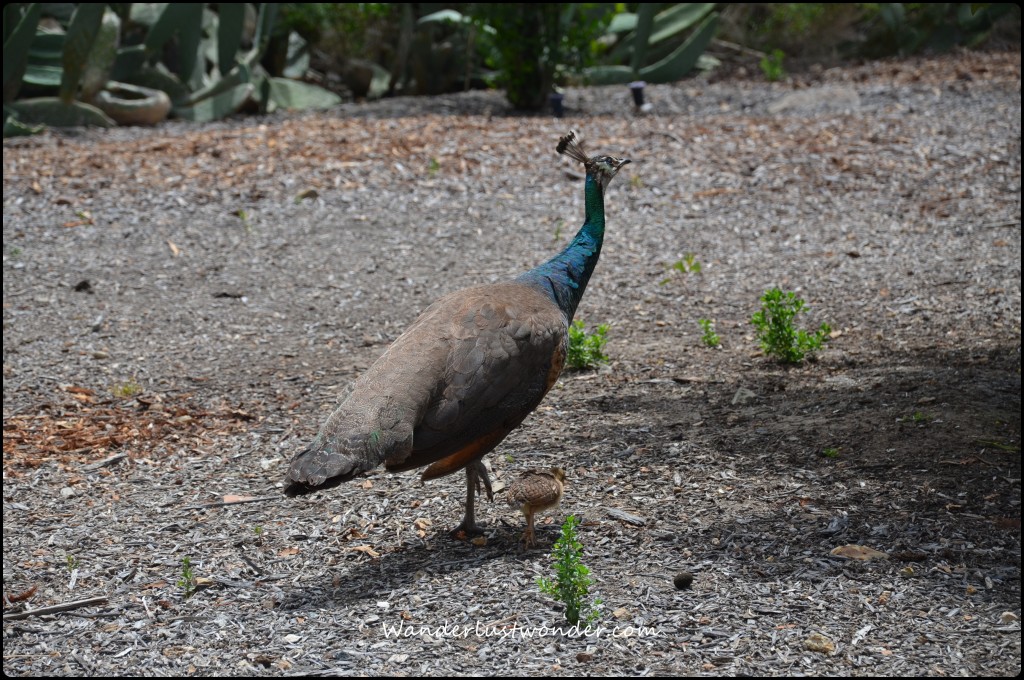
point(366, 549)
point(23, 595)
point(859, 552)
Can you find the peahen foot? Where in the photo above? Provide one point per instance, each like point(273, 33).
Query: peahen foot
point(477, 481)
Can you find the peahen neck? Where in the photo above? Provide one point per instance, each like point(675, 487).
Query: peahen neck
point(564, 277)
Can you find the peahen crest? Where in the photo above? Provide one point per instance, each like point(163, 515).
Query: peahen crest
point(570, 145)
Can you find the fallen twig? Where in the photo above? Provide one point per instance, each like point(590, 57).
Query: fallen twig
point(56, 608)
point(220, 504)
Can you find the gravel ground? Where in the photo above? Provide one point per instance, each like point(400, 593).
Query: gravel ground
point(184, 305)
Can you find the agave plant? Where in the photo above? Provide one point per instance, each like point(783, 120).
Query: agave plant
point(650, 46)
point(87, 77)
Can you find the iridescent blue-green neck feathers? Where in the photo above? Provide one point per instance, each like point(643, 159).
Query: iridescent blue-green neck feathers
point(564, 277)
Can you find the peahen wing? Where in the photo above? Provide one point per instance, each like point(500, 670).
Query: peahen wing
point(460, 378)
point(506, 347)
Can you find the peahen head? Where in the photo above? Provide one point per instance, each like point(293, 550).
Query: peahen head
point(601, 168)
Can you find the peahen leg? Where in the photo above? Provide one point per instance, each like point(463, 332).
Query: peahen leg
point(529, 538)
point(482, 478)
point(476, 480)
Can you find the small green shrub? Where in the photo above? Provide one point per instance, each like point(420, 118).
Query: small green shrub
point(771, 65)
point(830, 452)
point(775, 330)
point(586, 350)
point(572, 578)
point(709, 336)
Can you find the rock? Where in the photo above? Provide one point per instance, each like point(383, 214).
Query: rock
point(683, 580)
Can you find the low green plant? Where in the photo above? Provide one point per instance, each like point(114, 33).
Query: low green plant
point(586, 350)
point(709, 337)
point(187, 581)
point(244, 216)
point(72, 562)
point(771, 65)
point(126, 390)
point(558, 231)
point(830, 452)
point(921, 418)
point(687, 265)
point(572, 582)
point(433, 167)
point(775, 330)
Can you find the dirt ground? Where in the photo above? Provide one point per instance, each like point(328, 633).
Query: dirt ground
point(183, 306)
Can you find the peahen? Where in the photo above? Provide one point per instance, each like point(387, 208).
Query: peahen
point(466, 372)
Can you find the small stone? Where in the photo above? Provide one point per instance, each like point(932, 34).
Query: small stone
point(683, 580)
point(819, 643)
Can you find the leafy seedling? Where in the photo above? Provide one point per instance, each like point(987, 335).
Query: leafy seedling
point(687, 265)
point(709, 337)
point(187, 582)
point(830, 452)
point(586, 350)
point(126, 390)
point(776, 333)
point(572, 582)
point(558, 230)
point(244, 216)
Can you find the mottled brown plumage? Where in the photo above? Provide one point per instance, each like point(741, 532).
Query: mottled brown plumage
point(465, 373)
point(535, 492)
